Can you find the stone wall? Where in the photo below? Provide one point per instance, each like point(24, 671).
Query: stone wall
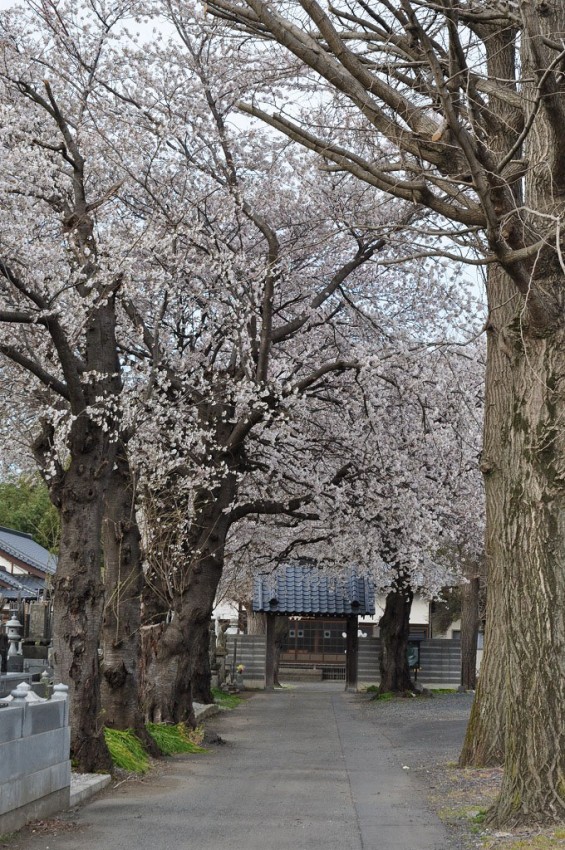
point(35, 769)
point(440, 661)
point(250, 651)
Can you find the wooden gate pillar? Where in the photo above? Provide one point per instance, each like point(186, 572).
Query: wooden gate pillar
point(352, 651)
point(270, 653)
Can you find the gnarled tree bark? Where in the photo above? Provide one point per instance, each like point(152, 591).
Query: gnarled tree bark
point(469, 632)
point(394, 632)
point(123, 582)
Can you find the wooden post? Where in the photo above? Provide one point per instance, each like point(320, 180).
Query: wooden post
point(352, 646)
point(270, 653)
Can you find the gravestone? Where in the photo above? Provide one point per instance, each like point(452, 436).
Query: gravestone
point(38, 621)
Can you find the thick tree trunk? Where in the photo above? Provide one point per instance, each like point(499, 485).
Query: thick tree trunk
point(484, 740)
point(394, 632)
point(123, 581)
point(469, 632)
point(166, 675)
point(201, 671)
point(177, 667)
point(189, 590)
point(526, 479)
point(183, 644)
point(256, 624)
point(194, 619)
point(79, 596)
point(532, 499)
point(158, 678)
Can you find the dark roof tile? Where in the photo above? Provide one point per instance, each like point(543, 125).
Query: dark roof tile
point(24, 548)
point(306, 589)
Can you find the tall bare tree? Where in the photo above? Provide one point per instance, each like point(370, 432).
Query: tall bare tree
point(459, 107)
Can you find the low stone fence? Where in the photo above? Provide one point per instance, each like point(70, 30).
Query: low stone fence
point(35, 769)
point(10, 681)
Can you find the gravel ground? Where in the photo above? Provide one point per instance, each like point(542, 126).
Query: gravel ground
point(427, 734)
point(426, 731)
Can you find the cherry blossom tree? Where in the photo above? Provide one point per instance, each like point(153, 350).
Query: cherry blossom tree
point(410, 435)
point(245, 282)
point(61, 264)
point(259, 293)
point(207, 312)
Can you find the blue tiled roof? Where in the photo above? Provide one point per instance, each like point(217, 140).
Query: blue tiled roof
point(14, 587)
point(303, 589)
point(24, 548)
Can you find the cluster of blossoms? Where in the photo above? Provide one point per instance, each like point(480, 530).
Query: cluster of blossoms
point(277, 375)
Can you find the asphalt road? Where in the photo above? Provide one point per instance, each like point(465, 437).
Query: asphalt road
point(306, 768)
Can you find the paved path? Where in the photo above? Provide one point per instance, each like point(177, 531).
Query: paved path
point(302, 769)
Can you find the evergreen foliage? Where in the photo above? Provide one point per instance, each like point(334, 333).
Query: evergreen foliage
point(25, 506)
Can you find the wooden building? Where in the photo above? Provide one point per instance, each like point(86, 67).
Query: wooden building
point(323, 612)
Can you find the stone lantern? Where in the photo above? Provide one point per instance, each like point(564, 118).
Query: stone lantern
point(15, 659)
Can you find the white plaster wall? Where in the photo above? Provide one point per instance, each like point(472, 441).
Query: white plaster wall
point(227, 610)
point(419, 614)
point(6, 564)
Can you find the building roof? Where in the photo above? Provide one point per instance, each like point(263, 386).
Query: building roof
point(20, 587)
point(306, 590)
point(22, 546)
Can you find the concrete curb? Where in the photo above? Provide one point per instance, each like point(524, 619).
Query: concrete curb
point(202, 712)
point(86, 785)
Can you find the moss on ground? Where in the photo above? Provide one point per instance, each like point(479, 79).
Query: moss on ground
point(226, 700)
point(462, 798)
point(546, 840)
point(128, 752)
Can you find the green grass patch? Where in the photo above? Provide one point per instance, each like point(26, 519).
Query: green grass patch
point(173, 739)
point(471, 814)
point(126, 750)
point(226, 700)
point(442, 690)
point(384, 697)
point(547, 841)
